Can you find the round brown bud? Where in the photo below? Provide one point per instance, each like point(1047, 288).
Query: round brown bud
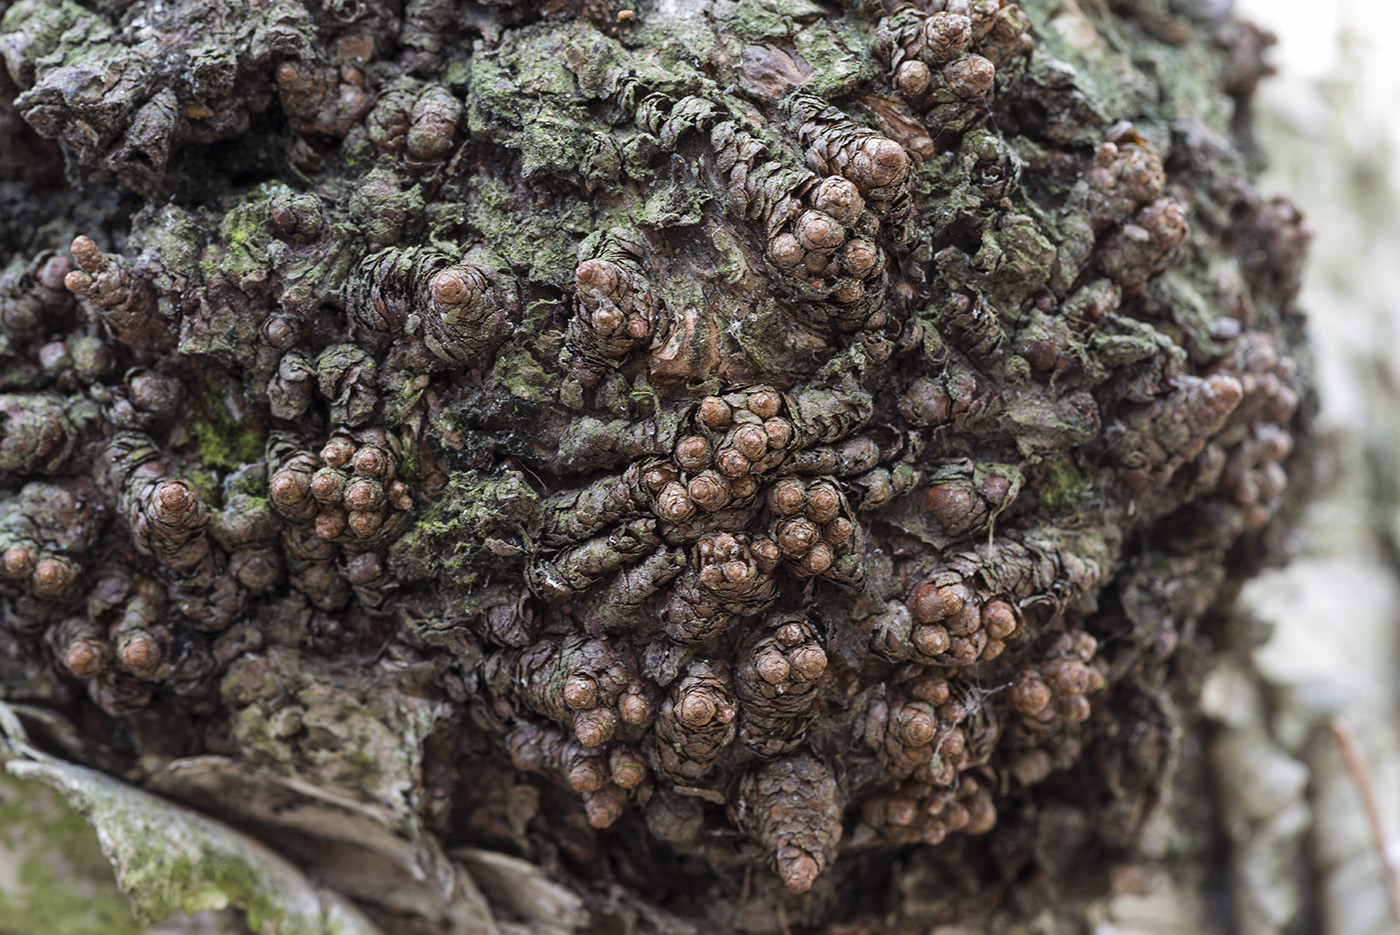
point(53, 577)
point(965, 650)
point(605, 806)
point(364, 493)
point(926, 605)
point(289, 488)
point(1075, 709)
point(787, 497)
point(791, 634)
point(913, 726)
point(595, 727)
point(372, 461)
point(784, 250)
point(363, 568)
point(673, 504)
point(633, 706)
point(139, 653)
point(697, 708)
point(930, 639)
point(328, 485)
point(809, 662)
point(85, 251)
point(796, 536)
point(839, 198)
point(83, 658)
point(732, 464)
point(880, 162)
point(751, 441)
point(337, 451)
point(1068, 676)
point(930, 689)
point(818, 559)
point(999, 620)
point(1029, 694)
point(20, 560)
point(737, 572)
point(765, 554)
point(983, 816)
point(580, 692)
point(778, 432)
point(457, 288)
point(586, 774)
point(965, 621)
point(365, 523)
point(173, 502)
point(714, 412)
point(860, 258)
point(281, 331)
point(657, 477)
point(850, 290)
point(823, 503)
point(709, 491)
point(628, 769)
point(912, 79)
point(817, 231)
point(743, 488)
point(330, 522)
point(765, 403)
point(956, 816)
point(598, 276)
point(839, 531)
point(772, 666)
point(693, 453)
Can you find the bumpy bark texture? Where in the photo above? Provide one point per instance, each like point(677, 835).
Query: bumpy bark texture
point(776, 434)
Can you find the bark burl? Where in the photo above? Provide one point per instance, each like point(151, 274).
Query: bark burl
point(716, 452)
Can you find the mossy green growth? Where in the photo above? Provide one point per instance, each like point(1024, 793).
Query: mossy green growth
point(476, 517)
point(169, 859)
point(58, 882)
point(221, 440)
point(1064, 484)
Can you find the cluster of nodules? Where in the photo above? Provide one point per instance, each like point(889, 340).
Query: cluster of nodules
point(615, 309)
point(1243, 463)
point(733, 443)
point(943, 56)
point(460, 311)
point(1231, 425)
point(349, 492)
point(618, 734)
point(1046, 696)
point(1121, 200)
point(953, 623)
point(932, 737)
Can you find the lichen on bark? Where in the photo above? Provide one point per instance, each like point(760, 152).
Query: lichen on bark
point(775, 433)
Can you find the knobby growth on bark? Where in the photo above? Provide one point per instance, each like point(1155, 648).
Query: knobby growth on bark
point(704, 450)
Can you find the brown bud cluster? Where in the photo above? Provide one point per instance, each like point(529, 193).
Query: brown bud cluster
point(615, 309)
point(581, 683)
point(920, 813)
point(1049, 695)
point(350, 492)
point(122, 297)
point(792, 808)
point(602, 780)
point(776, 682)
point(697, 720)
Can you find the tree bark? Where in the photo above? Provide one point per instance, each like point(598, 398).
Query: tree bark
point(756, 466)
